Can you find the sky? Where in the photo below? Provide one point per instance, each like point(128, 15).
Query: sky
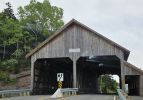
point(118, 20)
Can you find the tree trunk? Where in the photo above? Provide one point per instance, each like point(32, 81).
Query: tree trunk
point(17, 47)
point(4, 51)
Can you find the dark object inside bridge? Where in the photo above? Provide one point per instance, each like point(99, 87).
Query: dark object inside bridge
point(133, 84)
point(45, 75)
point(90, 68)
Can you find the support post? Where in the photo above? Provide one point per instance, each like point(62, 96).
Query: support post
point(96, 83)
point(74, 73)
point(141, 85)
point(120, 79)
point(32, 74)
point(123, 82)
point(122, 75)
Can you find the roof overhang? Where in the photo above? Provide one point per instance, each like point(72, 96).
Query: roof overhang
point(133, 67)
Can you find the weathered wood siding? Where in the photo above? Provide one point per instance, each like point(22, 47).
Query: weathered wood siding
point(129, 69)
point(76, 37)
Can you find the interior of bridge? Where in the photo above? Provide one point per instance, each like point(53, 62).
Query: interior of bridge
point(90, 68)
point(133, 84)
point(45, 74)
point(88, 71)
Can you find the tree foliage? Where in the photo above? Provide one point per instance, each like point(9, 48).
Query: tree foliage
point(12, 35)
point(41, 18)
point(5, 79)
point(108, 84)
point(36, 22)
point(8, 12)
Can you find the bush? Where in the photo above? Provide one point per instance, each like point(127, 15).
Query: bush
point(5, 78)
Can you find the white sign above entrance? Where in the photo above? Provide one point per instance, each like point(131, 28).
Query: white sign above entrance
point(74, 50)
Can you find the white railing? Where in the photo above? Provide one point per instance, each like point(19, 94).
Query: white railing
point(12, 93)
point(69, 91)
point(121, 94)
point(64, 92)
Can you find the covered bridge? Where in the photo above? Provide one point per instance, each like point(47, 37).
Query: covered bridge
point(82, 55)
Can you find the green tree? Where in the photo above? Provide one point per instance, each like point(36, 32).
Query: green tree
point(108, 84)
point(40, 18)
point(3, 36)
point(13, 35)
point(8, 12)
point(36, 22)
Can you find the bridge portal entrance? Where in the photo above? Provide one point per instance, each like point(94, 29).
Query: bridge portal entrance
point(45, 74)
point(133, 82)
point(90, 68)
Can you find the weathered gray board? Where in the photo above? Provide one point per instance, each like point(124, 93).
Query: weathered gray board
point(130, 69)
point(75, 35)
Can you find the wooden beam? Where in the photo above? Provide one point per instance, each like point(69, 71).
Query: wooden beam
point(74, 74)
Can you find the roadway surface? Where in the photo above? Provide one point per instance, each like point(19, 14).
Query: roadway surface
point(77, 97)
point(91, 97)
point(136, 98)
point(39, 97)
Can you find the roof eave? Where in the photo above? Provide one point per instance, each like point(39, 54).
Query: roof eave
point(134, 67)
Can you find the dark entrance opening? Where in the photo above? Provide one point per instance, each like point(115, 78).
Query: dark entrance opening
point(45, 74)
point(90, 68)
point(133, 84)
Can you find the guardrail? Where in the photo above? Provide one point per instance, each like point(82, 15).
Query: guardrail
point(121, 94)
point(64, 92)
point(12, 93)
point(69, 91)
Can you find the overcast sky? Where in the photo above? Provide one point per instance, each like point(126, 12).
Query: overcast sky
point(118, 20)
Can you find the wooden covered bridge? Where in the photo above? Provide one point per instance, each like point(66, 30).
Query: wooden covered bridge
point(82, 55)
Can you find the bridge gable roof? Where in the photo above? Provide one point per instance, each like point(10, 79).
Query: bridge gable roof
point(73, 21)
